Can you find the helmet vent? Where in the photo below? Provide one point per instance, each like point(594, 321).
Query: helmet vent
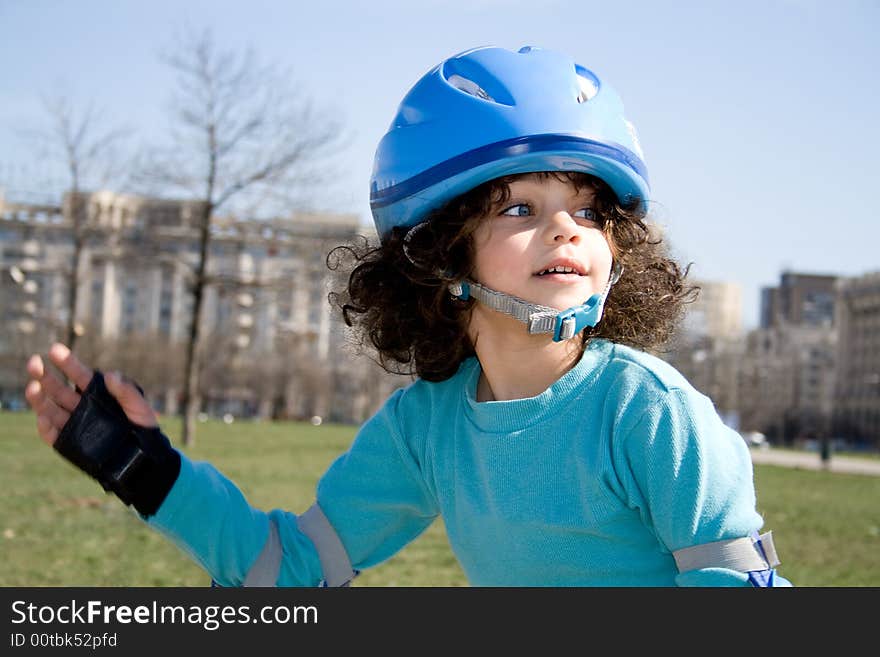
point(588, 84)
point(469, 87)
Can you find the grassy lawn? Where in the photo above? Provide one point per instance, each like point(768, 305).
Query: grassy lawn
point(58, 528)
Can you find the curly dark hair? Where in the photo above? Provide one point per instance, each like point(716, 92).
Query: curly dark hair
point(397, 296)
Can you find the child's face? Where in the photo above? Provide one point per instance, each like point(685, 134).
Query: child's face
point(545, 223)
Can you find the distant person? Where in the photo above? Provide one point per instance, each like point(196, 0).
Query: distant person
point(825, 452)
point(517, 277)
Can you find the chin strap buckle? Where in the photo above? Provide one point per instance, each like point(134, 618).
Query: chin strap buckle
point(460, 290)
point(572, 321)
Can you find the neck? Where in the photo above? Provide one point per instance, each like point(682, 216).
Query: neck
point(517, 365)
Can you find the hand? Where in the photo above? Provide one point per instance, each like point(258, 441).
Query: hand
point(54, 400)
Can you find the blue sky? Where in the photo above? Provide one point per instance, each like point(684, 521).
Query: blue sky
point(758, 119)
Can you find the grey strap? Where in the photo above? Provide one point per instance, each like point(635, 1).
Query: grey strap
point(334, 559)
point(540, 319)
point(766, 545)
point(742, 554)
point(266, 568)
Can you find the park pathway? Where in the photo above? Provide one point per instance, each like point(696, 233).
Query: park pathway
point(811, 461)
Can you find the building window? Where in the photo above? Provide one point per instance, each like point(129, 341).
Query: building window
point(129, 305)
point(166, 299)
point(97, 300)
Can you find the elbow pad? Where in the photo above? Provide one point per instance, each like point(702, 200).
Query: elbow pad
point(754, 555)
point(136, 463)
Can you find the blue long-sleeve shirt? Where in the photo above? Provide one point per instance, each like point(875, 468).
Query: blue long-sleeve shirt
point(594, 482)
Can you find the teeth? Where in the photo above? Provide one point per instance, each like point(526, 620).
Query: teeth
point(557, 270)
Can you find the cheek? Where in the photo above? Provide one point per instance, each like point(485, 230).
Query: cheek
point(601, 251)
point(489, 265)
point(610, 244)
point(493, 253)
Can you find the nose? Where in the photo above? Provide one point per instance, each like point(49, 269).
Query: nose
point(561, 227)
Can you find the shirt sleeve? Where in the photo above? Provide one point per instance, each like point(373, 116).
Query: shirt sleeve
point(690, 478)
point(373, 495)
point(208, 518)
point(376, 494)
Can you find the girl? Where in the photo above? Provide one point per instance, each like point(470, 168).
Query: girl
point(516, 277)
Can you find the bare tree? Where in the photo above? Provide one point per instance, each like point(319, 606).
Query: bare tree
point(85, 145)
point(242, 137)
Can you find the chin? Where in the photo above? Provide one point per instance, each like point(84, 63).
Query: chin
point(564, 302)
point(575, 294)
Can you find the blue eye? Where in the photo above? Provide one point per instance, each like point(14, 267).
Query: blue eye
point(586, 213)
point(518, 210)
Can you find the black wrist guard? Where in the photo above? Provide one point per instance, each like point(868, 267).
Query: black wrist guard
point(136, 463)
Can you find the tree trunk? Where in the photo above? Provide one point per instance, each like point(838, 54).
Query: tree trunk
point(191, 399)
point(76, 222)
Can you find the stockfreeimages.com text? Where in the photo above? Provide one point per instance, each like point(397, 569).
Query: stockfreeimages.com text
point(211, 617)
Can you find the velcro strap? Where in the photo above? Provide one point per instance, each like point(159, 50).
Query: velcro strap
point(136, 463)
point(743, 554)
point(765, 544)
point(540, 319)
point(266, 568)
point(334, 559)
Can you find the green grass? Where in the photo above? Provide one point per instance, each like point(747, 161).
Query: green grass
point(57, 528)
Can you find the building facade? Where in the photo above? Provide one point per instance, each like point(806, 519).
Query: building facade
point(786, 382)
point(265, 307)
point(857, 393)
point(708, 346)
point(800, 299)
point(788, 373)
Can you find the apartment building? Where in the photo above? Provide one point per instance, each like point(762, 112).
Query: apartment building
point(800, 299)
point(857, 393)
point(267, 294)
point(788, 372)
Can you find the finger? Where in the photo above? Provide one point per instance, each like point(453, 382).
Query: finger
point(44, 406)
point(70, 365)
point(33, 393)
point(35, 366)
point(57, 415)
point(48, 432)
point(52, 386)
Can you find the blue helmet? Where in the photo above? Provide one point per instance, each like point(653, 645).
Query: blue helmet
point(490, 112)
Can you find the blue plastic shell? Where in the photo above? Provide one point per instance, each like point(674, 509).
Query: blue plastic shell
point(490, 112)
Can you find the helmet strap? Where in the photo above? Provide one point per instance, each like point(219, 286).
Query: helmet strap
point(537, 318)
